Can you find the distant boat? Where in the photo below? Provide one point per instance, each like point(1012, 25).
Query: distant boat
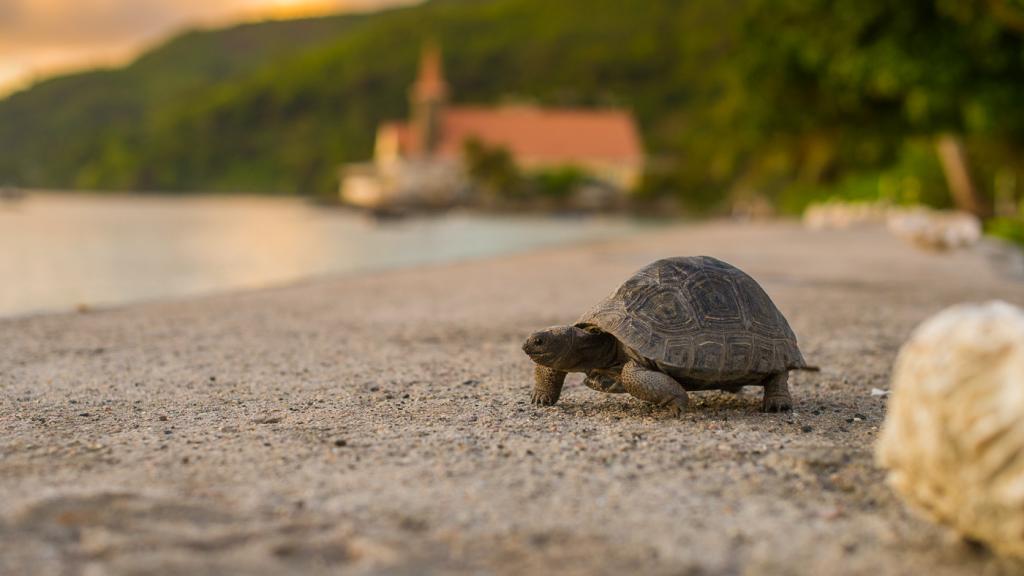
point(11, 194)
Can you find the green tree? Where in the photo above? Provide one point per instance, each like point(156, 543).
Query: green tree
point(853, 79)
point(492, 170)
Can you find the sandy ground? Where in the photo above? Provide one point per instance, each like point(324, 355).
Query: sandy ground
point(381, 424)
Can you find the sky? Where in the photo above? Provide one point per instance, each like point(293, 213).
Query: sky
point(42, 37)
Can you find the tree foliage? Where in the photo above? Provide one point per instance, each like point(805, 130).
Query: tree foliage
point(492, 170)
point(788, 99)
point(830, 90)
point(282, 119)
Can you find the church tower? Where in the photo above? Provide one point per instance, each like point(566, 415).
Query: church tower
point(428, 98)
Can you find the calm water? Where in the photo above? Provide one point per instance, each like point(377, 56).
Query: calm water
point(61, 251)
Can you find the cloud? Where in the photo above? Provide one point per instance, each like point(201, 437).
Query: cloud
point(71, 22)
point(9, 10)
point(41, 36)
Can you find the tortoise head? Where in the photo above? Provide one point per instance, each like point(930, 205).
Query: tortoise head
point(570, 348)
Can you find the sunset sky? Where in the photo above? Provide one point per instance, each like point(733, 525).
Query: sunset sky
point(41, 37)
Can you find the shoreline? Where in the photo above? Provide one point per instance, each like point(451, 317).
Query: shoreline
point(380, 422)
point(314, 279)
point(223, 245)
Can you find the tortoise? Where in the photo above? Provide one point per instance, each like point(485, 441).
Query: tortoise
point(677, 325)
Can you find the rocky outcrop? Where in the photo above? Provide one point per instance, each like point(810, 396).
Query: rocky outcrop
point(953, 438)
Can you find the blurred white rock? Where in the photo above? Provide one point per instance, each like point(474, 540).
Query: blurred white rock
point(919, 225)
point(935, 229)
point(953, 438)
point(836, 214)
point(752, 206)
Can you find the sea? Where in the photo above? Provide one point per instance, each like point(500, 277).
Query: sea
point(75, 251)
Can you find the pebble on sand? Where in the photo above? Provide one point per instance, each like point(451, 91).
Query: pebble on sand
point(269, 419)
point(953, 440)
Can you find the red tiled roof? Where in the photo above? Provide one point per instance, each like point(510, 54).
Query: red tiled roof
point(536, 135)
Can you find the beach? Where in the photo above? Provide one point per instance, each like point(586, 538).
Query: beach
point(379, 422)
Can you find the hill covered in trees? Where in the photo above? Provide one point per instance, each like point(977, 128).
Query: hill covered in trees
point(788, 99)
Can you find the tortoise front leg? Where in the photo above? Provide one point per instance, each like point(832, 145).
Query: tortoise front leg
point(776, 393)
point(547, 386)
point(653, 386)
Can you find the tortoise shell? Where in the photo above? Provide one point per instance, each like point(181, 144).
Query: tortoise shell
point(700, 318)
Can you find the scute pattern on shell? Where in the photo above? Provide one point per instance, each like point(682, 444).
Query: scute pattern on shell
point(700, 316)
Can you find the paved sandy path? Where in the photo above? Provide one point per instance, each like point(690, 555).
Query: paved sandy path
point(380, 423)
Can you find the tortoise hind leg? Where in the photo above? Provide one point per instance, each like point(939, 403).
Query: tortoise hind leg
point(776, 393)
point(604, 382)
point(656, 387)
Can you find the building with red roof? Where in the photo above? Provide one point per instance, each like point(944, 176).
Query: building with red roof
point(422, 159)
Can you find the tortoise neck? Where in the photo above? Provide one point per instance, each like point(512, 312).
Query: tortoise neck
point(598, 351)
